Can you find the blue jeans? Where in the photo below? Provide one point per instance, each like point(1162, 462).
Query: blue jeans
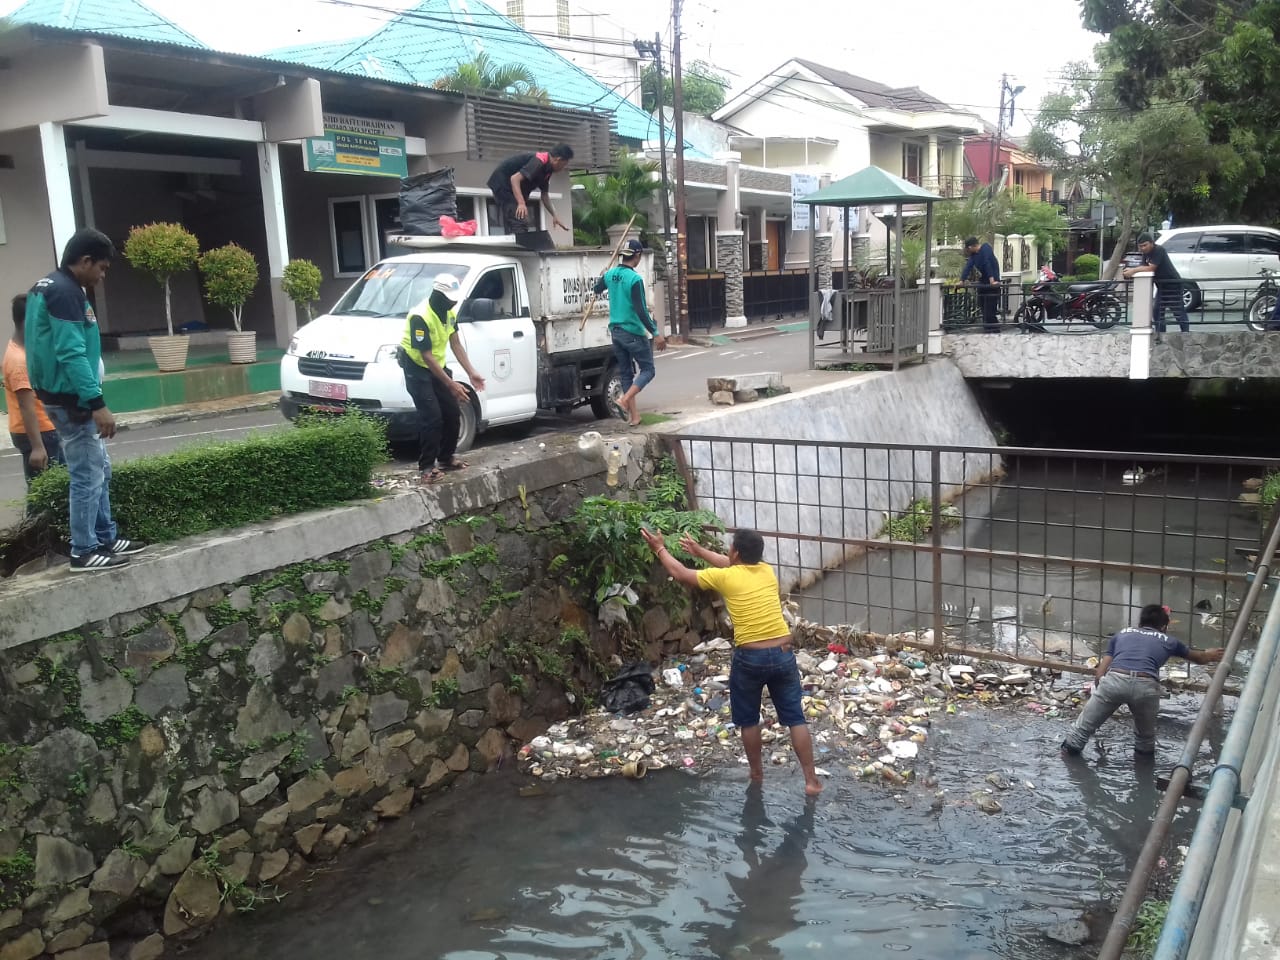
point(90, 469)
point(631, 349)
point(755, 669)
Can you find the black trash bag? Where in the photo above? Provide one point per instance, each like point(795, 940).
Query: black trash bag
point(424, 199)
point(629, 691)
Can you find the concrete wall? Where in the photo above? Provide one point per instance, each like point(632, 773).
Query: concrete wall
point(234, 706)
point(773, 468)
point(27, 253)
point(1242, 353)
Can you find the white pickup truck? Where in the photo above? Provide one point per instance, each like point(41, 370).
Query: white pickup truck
point(519, 319)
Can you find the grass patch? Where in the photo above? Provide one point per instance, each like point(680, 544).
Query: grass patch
point(215, 485)
point(1147, 926)
point(649, 419)
point(916, 522)
point(1270, 491)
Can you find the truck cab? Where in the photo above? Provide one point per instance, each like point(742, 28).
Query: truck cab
point(533, 350)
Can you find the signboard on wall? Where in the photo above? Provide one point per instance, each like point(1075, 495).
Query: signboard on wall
point(802, 184)
point(357, 145)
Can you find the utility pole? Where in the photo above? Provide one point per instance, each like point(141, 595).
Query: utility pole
point(682, 220)
point(655, 50)
point(998, 141)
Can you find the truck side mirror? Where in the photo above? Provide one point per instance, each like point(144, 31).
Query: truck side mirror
point(476, 309)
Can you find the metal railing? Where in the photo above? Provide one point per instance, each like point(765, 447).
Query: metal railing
point(706, 299)
point(1222, 305)
point(947, 186)
point(1021, 555)
point(1224, 786)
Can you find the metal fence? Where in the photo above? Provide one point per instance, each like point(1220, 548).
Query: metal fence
point(706, 299)
point(1022, 555)
point(1220, 305)
point(772, 294)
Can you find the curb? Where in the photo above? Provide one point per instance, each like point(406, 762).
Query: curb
point(746, 334)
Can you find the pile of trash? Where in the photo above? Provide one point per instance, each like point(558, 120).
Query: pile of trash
point(871, 711)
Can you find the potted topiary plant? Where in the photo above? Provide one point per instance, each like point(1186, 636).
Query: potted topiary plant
point(230, 274)
point(163, 249)
point(301, 284)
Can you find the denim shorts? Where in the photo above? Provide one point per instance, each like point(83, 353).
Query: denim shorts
point(753, 670)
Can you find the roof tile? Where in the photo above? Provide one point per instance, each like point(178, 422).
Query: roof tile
point(116, 18)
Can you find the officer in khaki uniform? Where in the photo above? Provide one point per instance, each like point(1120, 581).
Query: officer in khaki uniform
point(431, 328)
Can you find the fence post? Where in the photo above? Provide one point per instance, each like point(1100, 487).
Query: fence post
point(1140, 327)
point(935, 495)
point(933, 306)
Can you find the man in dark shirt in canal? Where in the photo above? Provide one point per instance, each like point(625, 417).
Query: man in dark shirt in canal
point(982, 259)
point(1129, 674)
point(1155, 259)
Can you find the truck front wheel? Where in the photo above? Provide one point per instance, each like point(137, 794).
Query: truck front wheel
point(605, 403)
point(468, 425)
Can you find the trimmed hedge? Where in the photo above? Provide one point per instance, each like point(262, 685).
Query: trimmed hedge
point(318, 464)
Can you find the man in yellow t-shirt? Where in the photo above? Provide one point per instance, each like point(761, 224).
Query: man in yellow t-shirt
point(762, 655)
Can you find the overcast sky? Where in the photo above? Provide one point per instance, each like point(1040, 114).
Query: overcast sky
point(955, 50)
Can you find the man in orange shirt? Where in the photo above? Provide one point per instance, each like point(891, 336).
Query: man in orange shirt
point(30, 428)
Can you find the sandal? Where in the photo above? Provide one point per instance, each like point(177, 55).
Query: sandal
point(452, 465)
point(434, 475)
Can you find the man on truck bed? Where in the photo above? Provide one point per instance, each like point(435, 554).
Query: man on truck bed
point(515, 178)
point(630, 326)
point(431, 327)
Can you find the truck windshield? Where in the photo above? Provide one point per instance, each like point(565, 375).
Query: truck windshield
point(393, 289)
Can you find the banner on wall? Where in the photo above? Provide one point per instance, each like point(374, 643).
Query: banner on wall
point(357, 145)
point(802, 184)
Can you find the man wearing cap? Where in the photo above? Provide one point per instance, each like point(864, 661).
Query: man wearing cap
point(1129, 674)
point(1155, 259)
point(631, 326)
point(432, 327)
point(982, 260)
point(515, 178)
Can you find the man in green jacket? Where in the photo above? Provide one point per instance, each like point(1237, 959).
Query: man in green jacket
point(64, 354)
point(631, 327)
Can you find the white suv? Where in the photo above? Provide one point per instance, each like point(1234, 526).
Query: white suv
point(1221, 264)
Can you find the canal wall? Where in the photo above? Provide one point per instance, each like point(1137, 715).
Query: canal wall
point(804, 487)
point(180, 736)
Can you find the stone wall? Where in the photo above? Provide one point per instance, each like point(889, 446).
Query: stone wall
point(165, 764)
point(822, 257)
point(1016, 354)
point(729, 262)
point(1242, 353)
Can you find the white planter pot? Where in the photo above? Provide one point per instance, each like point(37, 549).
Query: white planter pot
point(618, 231)
point(242, 347)
point(170, 352)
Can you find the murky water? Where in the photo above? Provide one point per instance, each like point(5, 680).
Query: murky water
point(1181, 519)
point(687, 866)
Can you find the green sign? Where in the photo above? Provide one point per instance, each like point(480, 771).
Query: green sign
point(357, 145)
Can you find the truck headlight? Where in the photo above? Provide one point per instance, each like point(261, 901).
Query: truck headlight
point(387, 353)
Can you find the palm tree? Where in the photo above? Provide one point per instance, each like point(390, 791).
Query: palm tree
point(613, 198)
point(514, 81)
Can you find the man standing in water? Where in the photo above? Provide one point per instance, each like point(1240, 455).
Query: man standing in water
point(1129, 674)
point(762, 655)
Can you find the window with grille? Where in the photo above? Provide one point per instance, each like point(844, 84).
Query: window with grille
point(562, 17)
point(515, 10)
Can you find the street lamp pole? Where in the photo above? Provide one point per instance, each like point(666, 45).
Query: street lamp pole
point(682, 220)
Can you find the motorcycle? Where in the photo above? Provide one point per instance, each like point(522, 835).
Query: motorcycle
point(1261, 308)
point(1091, 302)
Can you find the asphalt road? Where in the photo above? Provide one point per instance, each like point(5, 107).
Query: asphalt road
point(679, 386)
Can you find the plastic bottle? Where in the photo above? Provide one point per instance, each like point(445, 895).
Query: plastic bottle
point(614, 461)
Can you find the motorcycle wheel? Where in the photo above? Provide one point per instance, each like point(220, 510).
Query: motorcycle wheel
point(1258, 314)
point(1030, 316)
point(1104, 311)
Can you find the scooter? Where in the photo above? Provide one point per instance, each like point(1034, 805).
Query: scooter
point(1092, 303)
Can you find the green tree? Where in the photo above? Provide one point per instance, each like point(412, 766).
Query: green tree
point(301, 284)
point(1137, 157)
point(704, 89)
point(982, 214)
point(162, 249)
point(613, 198)
point(230, 273)
point(513, 81)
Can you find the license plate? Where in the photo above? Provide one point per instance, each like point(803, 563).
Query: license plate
point(330, 391)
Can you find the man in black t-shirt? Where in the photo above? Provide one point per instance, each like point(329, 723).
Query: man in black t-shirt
point(1155, 259)
point(515, 178)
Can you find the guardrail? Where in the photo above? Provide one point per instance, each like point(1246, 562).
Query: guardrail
point(1223, 793)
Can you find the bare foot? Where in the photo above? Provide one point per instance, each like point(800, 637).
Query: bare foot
point(812, 787)
point(757, 776)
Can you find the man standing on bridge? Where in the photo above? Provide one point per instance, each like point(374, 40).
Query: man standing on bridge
point(762, 655)
point(1129, 674)
point(515, 179)
point(982, 259)
point(1155, 259)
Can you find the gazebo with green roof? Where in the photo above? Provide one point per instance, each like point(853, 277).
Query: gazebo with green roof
point(897, 319)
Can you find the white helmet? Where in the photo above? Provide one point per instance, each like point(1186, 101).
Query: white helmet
point(449, 285)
